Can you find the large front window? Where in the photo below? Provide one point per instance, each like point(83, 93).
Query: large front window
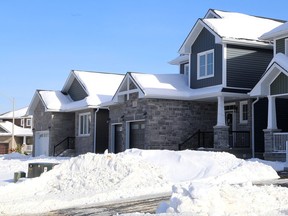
point(84, 124)
point(205, 64)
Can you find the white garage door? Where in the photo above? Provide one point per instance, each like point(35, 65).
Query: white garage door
point(42, 143)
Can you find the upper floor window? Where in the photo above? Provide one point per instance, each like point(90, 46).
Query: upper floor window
point(22, 122)
point(84, 124)
point(186, 69)
point(205, 64)
point(28, 122)
point(243, 112)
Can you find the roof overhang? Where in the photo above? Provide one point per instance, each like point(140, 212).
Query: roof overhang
point(193, 35)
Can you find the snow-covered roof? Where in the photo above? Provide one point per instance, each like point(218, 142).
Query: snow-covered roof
point(180, 59)
point(171, 86)
point(277, 32)
point(18, 131)
point(279, 64)
point(93, 83)
point(100, 87)
point(17, 114)
point(232, 27)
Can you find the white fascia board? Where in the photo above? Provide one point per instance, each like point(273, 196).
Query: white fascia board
point(193, 35)
point(260, 44)
point(68, 81)
point(263, 86)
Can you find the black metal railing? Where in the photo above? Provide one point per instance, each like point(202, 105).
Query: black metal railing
point(67, 143)
point(239, 139)
point(204, 139)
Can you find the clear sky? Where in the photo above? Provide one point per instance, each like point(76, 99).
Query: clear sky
point(41, 41)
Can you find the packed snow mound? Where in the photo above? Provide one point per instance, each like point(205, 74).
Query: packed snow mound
point(226, 199)
point(93, 178)
point(188, 165)
point(101, 173)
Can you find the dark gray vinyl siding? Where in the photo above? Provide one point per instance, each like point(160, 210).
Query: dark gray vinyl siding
point(245, 65)
point(280, 45)
point(205, 42)
point(76, 91)
point(279, 85)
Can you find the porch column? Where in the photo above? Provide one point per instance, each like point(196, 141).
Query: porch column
point(221, 131)
point(220, 112)
point(272, 119)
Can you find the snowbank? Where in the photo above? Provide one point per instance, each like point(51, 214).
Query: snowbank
point(93, 178)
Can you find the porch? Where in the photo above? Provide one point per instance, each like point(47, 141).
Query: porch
point(277, 142)
point(239, 143)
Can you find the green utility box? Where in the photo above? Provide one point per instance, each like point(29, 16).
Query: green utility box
point(36, 169)
point(18, 175)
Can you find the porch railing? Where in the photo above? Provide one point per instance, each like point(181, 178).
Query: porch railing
point(67, 143)
point(279, 142)
point(239, 139)
point(197, 140)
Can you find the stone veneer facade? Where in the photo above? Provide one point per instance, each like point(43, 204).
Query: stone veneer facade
point(59, 124)
point(167, 122)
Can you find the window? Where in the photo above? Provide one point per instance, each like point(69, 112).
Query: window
point(28, 122)
point(186, 69)
point(84, 124)
point(243, 112)
point(22, 122)
point(205, 64)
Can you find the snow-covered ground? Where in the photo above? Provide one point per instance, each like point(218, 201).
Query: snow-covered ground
point(201, 183)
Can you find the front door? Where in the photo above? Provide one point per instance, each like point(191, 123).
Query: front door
point(230, 122)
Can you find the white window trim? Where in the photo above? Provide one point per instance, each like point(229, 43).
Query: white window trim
point(88, 125)
point(22, 122)
point(198, 64)
point(242, 121)
point(286, 47)
point(186, 69)
point(28, 122)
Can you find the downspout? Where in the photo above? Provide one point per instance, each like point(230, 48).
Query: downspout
point(253, 125)
point(95, 127)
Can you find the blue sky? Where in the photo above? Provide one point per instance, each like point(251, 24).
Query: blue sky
point(41, 41)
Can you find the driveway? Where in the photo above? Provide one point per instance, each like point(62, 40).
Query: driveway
point(141, 204)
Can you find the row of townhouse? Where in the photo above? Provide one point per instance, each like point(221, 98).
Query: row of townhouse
point(230, 95)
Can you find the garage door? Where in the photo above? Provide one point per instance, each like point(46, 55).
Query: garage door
point(42, 143)
point(119, 145)
point(137, 135)
point(4, 147)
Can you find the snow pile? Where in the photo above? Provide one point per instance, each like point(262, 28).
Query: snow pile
point(219, 167)
point(204, 182)
point(86, 179)
point(225, 199)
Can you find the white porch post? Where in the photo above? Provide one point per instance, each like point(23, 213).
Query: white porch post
point(272, 121)
point(221, 112)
